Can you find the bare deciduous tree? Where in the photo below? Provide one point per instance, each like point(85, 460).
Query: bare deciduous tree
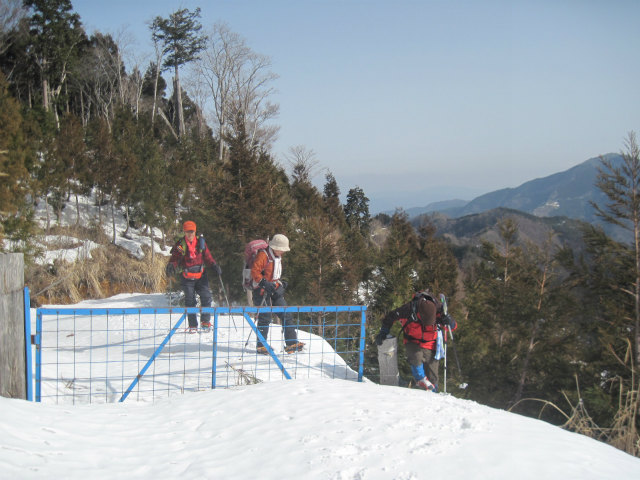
point(239, 81)
point(158, 59)
point(98, 77)
point(303, 163)
point(11, 12)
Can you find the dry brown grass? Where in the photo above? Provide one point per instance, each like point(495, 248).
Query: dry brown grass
point(109, 271)
point(623, 433)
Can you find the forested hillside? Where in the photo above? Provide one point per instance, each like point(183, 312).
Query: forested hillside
point(538, 320)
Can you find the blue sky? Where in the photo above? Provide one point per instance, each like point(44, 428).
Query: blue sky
point(422, 101)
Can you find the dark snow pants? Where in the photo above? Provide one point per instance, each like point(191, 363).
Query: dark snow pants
point(191, 287)
point(264, 319)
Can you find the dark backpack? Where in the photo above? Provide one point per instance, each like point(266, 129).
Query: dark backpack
point(251, 249)
point(427, 295)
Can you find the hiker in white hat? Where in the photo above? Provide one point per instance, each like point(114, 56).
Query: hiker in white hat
point(269, 288)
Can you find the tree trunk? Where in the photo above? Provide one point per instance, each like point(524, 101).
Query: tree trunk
point(178, 94)
point(77, 211)
point(46, 207)
point(127, 221)
point(155, 94)
point(151, 238)
point(45, 94)
point(637, 289)
point(162, 115)
point(525, 366)
point(113, 220)
point(100, 199)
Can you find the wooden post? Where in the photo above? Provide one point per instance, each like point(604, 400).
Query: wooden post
point(13, 383)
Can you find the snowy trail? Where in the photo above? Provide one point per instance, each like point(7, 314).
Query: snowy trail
point(315, 428)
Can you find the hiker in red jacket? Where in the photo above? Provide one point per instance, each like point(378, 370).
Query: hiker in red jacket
point(269, 288)
point(423, 322)
point(188, 257)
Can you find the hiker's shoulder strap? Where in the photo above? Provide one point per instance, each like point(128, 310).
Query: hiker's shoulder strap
point(269, 254)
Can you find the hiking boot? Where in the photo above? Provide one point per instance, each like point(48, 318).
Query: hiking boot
point(425, 384)
point(262, 351)
point(205, 325)
point(294, 347)
point(192, 330)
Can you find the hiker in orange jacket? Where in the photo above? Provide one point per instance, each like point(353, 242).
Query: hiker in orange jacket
point(188, 257)
point(423, 323)
point(269, 288)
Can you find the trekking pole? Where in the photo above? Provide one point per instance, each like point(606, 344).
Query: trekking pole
point(264, 298)
point(445, 311)
point(445, 362)
point(227, 299)
point(463, 385)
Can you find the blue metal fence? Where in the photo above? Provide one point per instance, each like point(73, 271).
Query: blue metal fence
point(88, 355)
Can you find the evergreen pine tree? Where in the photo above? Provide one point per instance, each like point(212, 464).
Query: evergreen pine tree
point(621, 185)
point(70, 151)
point(356, 211)
point(514, 343)
point(56, 36)
point(180, 37)
point(245, 198)
point(14, 175)
point(436, 267)
point(331, 202)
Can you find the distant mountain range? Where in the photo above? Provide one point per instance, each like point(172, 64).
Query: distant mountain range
point(565, 194)
point(467, 233)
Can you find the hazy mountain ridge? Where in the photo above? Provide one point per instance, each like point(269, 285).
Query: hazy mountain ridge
point(472, 230)
point(560, 202)
point(564, 193)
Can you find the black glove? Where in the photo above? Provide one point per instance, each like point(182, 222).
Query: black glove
point(216, 268)
point(268, 287)
point(171, 269)
point(382, 336)
point(448, 321)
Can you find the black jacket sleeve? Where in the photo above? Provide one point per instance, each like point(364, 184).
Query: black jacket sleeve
point(401, 312)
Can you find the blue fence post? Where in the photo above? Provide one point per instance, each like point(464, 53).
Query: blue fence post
point(27, 343)
point(38, 343)
point(363, 321)
point(214, 347)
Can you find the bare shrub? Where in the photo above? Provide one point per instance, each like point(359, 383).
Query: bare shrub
point(623, 433)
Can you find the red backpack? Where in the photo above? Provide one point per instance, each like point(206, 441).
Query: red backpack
point(251, 249)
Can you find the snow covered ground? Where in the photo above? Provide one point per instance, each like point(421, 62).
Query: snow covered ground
point(70, 249)
point(312, 428)
point(294, 429)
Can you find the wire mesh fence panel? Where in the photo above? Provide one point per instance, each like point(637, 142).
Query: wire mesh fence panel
point(112, 354)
